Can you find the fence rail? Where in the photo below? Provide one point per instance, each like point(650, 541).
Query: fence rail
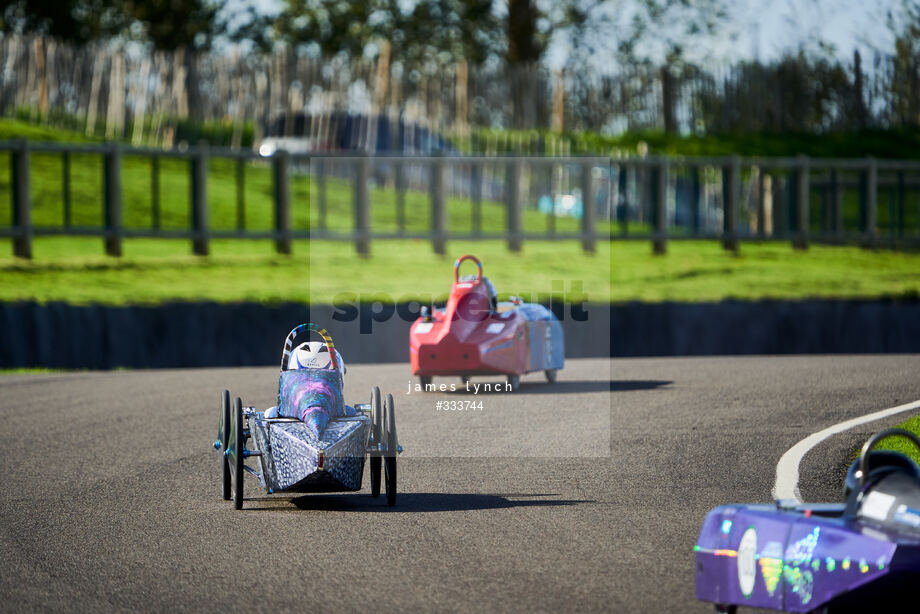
point(515, 199)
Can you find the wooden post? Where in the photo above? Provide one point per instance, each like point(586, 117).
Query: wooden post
point(660, 207)
point(21, 200)
point(667, 100)
point(696, 188)
point(362, 209)
point(587, 207)
point(65, 188)
point(476, 189)
point(513, 195)
point(155, 191)
point(241, 194)
point(438, 212)
point(282, 202)
point(870, 231)
point(622, 188)
point(761, 205)
point(199, 200)
point(800, 239)
point(400, 184)
point(112, 200)
point(321, 188)
point(730, 187)
point(836, 206)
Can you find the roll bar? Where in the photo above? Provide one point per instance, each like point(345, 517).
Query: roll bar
point(308, 327)
point(467, 257)
point(867, 447)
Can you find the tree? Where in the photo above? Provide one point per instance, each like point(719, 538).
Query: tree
point(173, 24)
point(904, 23)
point(166, 24)
point(78, 21)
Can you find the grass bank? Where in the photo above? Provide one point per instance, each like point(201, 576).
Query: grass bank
point(157, 270)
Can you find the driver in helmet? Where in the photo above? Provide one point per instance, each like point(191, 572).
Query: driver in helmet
point(313, 355)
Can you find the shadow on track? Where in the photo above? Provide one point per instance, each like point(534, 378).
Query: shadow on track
point(627, 385)
point(409, 502)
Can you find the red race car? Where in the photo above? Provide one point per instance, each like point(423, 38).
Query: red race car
point(476, 335)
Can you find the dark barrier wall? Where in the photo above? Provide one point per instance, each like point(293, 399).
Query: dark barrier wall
point(58, 335)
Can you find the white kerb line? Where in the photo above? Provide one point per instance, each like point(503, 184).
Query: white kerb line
point(787, 469)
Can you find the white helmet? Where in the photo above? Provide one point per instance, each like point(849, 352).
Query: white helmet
point(314, 355)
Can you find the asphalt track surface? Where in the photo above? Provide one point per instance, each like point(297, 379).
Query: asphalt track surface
point(110, 493)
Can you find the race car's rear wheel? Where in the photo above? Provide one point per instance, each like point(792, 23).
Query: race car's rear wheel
point(224, 438)
point(514, 381)
point(390, 454)
point(464, 379)
point(238, 440)
point(424, 380)
point(550, 375)
point(376, 437)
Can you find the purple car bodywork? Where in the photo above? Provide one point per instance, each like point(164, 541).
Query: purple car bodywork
point(797, 558)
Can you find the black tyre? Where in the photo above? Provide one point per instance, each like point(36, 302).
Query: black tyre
point(464, 379)
point(550, 375)
point(424, 380)
point(237, 459)
point(389, 458)
point(514, 381)
point(223, 436)
point(376, 435)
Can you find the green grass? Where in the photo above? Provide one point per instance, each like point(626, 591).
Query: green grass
point(157, 270)
point(899, 444)
point(702, 271)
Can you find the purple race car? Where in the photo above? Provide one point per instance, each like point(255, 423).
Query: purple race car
point(860, 555)
point(311, 441)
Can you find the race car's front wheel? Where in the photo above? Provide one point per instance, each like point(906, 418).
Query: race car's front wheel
point(514, 382)
point(224, 439)
point(239, 442)
point(390, 454)
point(376, 438)
point(550, 375)
point(424, 380)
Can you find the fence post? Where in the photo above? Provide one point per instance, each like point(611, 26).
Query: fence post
point(695, 199)
point(731, 185)
point(761, 204)
point(362, 209)
point(282, 203)
point(321, 188)
point(21, 200)
point(438, 213)
point(400, 184)
point(155, 192)
point(476, 194)
point(660, 186)
point(870, 230)
point(112, 200)
point(241, 194)
point(65, 187)
point(623, 197)
point(587, 207)
point(199, 199)
point(836, 206)
point(800, 240)
point(514, 205)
